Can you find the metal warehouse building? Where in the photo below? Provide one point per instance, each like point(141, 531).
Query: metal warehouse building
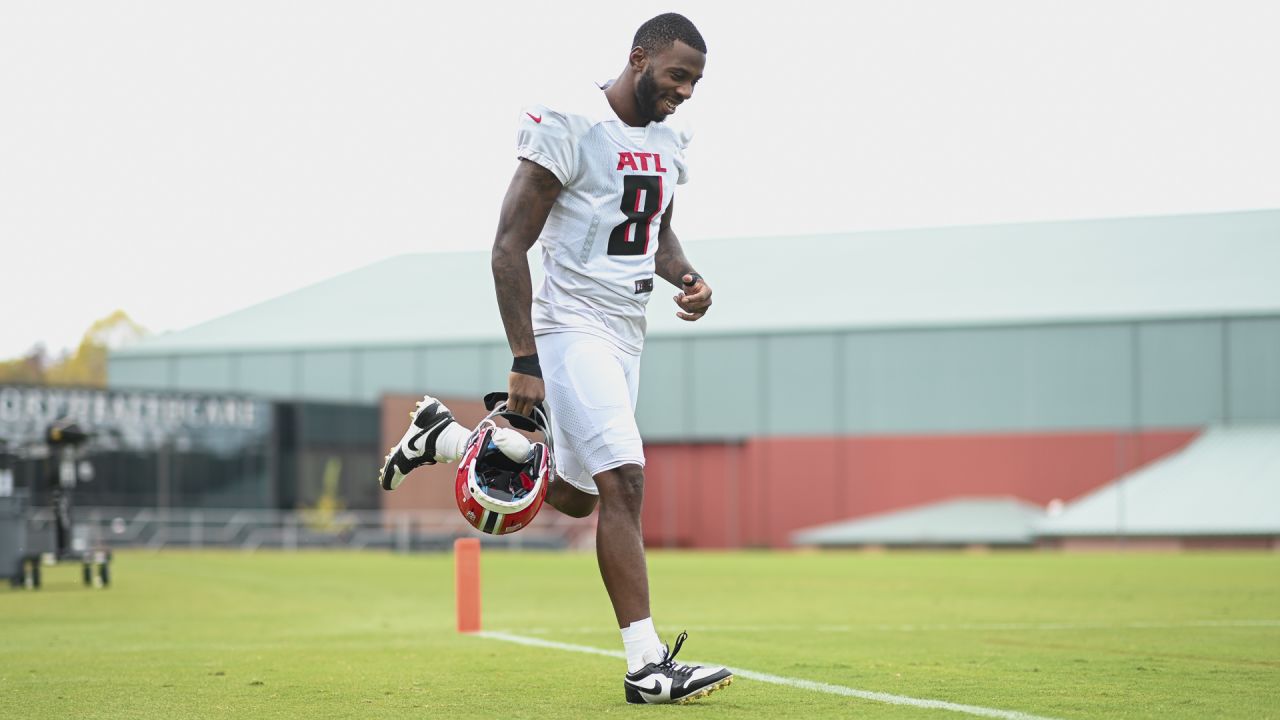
point(837, 376)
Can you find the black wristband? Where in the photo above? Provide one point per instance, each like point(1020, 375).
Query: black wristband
point(696, 277)
point(527, 365)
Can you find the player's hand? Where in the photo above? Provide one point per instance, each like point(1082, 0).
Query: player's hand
point(695, 299)
point(523, 392)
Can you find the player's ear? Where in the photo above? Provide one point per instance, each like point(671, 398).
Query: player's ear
point(638, 59)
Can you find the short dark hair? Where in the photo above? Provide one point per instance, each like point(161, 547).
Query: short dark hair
point(661, 32)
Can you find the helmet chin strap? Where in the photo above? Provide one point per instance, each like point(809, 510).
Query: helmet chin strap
point(496, 402)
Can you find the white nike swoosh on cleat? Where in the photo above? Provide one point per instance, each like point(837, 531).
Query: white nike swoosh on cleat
point(659, 693)
point(657, 687)
point(419, 436)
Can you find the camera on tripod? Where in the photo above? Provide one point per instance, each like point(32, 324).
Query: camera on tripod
point(67, 466)
point(66, 432)
point(65, 444)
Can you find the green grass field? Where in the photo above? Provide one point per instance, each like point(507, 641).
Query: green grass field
point(319, 635)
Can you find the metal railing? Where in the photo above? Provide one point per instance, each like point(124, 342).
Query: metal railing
point(250, 530)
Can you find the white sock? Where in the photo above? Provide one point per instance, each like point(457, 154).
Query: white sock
point(641, 643)
point(451, 442)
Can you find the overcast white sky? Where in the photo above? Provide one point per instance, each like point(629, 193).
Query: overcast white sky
point(181, 160)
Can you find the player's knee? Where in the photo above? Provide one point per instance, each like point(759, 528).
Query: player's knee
point(570, 500)
point(622, 487)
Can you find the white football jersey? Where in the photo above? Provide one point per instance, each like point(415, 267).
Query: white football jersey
point(599, 241)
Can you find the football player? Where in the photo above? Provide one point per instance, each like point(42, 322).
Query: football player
point(595, 183)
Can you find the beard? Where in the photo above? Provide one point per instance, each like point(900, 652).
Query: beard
point(647, 97)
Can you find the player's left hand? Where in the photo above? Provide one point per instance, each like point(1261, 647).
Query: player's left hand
point(696, 298)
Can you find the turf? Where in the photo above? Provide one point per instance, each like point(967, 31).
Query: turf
point(332, 635)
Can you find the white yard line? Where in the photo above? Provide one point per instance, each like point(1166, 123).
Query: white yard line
point(939, 627)
point(789, 682)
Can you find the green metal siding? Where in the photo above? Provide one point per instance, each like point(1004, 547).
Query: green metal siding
point(150, 372)
point(456, 370)
point(386, 371)
point(1253, 350)
point(728, 387)
point(206, 373)
point(1180, 374)
point(1082, 376)
point(328, 375)
point(496, 367)
point(663, 409)
point(802, 384)
point(985, 379)
point(271, 374)
point(1078, 377)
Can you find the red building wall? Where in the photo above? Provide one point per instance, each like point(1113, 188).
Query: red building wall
point(758, 492)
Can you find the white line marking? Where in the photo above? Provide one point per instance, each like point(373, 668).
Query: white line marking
point(981, 627)
point(789, 682)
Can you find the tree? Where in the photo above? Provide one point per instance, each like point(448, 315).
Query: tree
point(86, 367)
point(28, 369)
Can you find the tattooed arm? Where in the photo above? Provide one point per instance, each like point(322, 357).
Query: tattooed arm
point(525, 208)
point(673, 267)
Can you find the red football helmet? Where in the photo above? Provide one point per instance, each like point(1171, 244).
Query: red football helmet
point(496, 494)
